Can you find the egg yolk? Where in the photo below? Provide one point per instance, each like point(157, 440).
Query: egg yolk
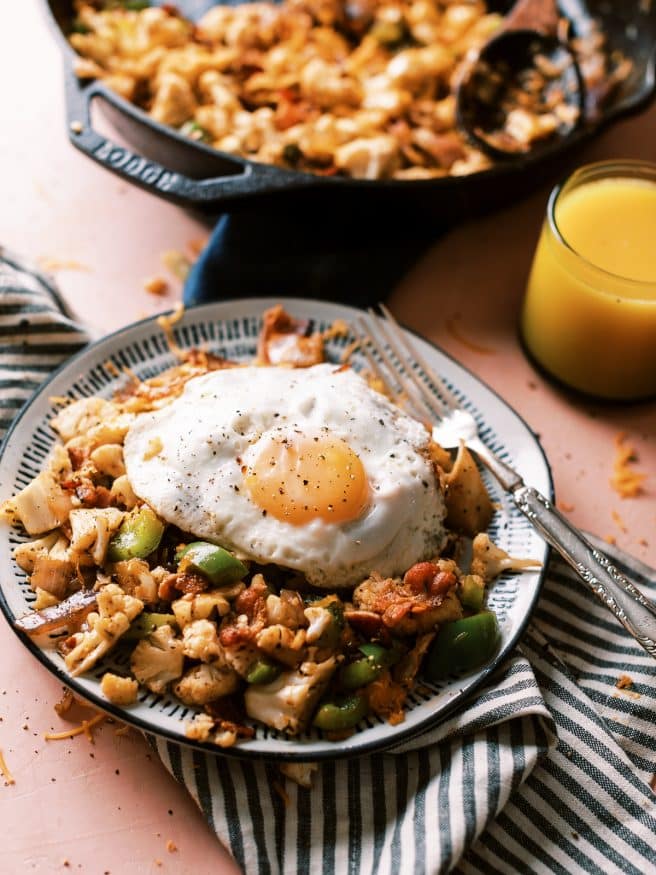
point(305, 478)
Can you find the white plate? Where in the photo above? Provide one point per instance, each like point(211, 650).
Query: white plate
point(230, 329)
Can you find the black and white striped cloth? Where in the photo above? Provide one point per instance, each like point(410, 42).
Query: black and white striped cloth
point(548, 769)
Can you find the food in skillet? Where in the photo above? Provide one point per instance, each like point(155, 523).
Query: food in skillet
point(364, 88)
point(271, 542)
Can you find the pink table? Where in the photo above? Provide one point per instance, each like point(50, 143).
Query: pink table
point(111, 807)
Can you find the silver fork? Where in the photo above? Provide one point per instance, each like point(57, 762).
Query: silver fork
point(414, 385)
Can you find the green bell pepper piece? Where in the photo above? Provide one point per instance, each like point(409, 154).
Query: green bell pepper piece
point(147, 622)
point(219, 566)
point(365, 671)
point(343, 712)
point(463, 645)
point(262, 672)
point(138, 536)
point(472, 593)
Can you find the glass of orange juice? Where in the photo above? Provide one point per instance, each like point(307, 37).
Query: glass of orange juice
point(589, 315)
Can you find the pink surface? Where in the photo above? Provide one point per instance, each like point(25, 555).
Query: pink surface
point(111, 807)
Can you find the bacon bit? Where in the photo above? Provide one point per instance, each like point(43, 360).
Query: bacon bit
point(624, 682)
point(85, 727)
point(65, 703)
point(455, 332)
point(643, 542)
point(188, 582)
point(171, 846)
point(280, 790)
point(652, 784)
point(177, 263)
point(627, 482)
point(565, 507)
point(156, 285)
point(4, 771)
point(51, 265)
point(619, 522)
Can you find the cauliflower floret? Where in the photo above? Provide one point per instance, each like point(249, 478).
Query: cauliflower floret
point(122, 492)
point(287, 702)
point(324, 84)
point(205, 683)
point(241, 656)
point(27, 553)
point(174, 101)
point(282, 644)
point(199, 606)
point(488, 560)
point(91, 530)
point(411, 67)
point(120, 691)
point(108, 459)
point(286, 609)
point(43, 505)
point(116, 610)
point(299, 773)
point(369, 157)
point(200, 641)
point(320, 620)
point(135, 577)
point(77, 418)
point(53, 571)
point(200, 727)
point(158, 659)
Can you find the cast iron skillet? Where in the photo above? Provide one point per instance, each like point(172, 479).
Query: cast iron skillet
point(195, 175)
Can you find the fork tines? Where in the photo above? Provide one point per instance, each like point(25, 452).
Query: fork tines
point(406, 376)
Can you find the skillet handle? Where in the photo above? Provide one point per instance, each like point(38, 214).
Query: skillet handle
point(254, 179)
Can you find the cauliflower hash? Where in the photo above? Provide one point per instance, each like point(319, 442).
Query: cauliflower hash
point(364, 88)
point(236, 640)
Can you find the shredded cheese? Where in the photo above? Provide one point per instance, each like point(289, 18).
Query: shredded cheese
point(339, 328)
point(4, 771)
point(177, 262)
point(85, 727)
point(171, 846)
point(619, 522)
point(626, 481)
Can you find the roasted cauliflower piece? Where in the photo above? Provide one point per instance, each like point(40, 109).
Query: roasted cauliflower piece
point(116, 610)
point(158, 659)
point(136, 578)
point(282, 644)
point(43, 505)
point(54, 570)
point(424, 598)
point(205, 683)
point(200, 606)
point(108, 460)
point(287, 702)
point(92, 529)
point(201, 641)
point(119, 690)
point(77, 418)
point(121, 492)
point(489, 561)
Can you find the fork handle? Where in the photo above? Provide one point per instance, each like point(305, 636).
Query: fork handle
point(634, 611)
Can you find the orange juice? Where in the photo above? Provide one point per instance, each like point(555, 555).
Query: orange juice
point(589, 314)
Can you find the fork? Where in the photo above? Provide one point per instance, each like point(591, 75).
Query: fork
point(413, 384)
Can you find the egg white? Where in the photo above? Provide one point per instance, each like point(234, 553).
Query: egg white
point(208, 434)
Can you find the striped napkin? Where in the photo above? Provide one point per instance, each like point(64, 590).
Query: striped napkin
point(548, 769)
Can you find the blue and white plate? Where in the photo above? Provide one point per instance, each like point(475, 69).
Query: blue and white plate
point(230, 329)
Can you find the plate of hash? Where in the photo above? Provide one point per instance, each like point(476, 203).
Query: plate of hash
point(219, 529)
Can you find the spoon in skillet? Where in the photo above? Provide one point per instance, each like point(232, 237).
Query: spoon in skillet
point(524, 90)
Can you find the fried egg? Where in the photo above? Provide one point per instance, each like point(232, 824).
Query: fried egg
point(309, 469)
